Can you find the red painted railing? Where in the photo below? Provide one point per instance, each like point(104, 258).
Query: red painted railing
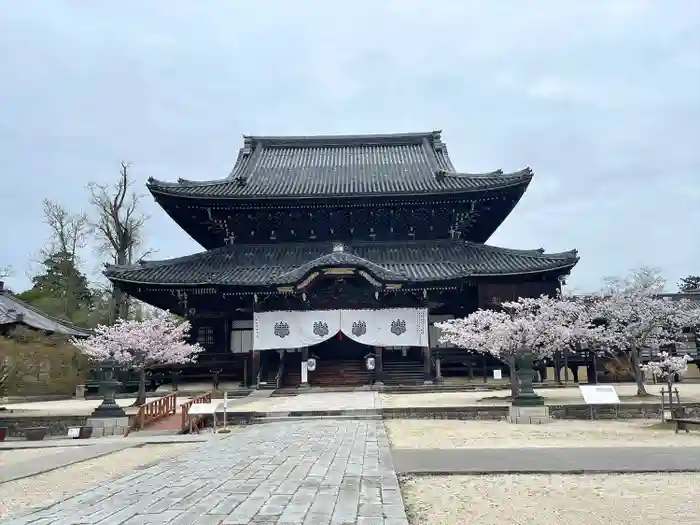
point(154, 411)
point(185, 408)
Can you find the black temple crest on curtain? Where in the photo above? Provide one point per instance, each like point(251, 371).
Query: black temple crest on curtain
point(321, 328)
point(398, 327)
point(359, 328)
point(282, 329)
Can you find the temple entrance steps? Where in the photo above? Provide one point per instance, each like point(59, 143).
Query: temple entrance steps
point(269, 381)
point(403, 373)
point(330, 373)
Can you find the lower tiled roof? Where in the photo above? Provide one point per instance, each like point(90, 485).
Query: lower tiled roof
point(277, 264)
point(14, 311)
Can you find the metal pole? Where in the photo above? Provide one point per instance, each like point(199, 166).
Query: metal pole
point(225, 407)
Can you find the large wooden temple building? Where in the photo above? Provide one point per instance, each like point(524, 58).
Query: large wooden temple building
point(324, 250)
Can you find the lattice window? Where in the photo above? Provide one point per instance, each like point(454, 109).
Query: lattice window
point(205, 336)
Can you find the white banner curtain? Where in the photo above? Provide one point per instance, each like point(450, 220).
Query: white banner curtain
point(293, 329)
point(297, 329)
point(386, 327)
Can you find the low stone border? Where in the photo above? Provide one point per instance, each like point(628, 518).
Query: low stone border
point(546, 460)
point(476, 412)
point(58, 425)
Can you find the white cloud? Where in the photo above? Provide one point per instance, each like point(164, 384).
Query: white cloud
point(601, 98)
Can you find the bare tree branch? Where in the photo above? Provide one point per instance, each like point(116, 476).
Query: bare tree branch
point(118, 227)
point(5, 271)
point(68, 230)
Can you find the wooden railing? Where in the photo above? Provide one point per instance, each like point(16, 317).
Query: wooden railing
point(154, 411)
point(185, 408)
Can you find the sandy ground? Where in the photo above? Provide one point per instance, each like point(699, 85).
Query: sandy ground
point(407, 433)
point(639, 499)
point(553, 396)
point(12, 457)
point(54, 486)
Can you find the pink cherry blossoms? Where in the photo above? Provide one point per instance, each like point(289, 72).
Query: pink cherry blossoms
point(542, 325)
point(161, 339)
point(638, 320)
point(666, 366)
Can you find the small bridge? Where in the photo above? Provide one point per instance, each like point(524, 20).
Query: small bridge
point(164, 414)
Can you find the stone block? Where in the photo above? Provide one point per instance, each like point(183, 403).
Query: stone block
point(108, 426)
point(536, 415)
point(80, 392)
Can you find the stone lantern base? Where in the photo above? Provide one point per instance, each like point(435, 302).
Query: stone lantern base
point(529, 415)
point(108, 426)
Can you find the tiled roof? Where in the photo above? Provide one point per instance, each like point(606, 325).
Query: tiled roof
point(398, 164)
point(276, 264)
point(14, 311)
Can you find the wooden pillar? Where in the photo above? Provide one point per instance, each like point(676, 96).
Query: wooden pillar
point(557, 366)
point(593, 378)
point(379, 365)
point(427, 365)
point(227, 335)
point(255, 368)
point(245, 372)
point(438, 371)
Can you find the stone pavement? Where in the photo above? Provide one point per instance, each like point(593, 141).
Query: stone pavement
point(546, 460)
point(78, 451)
point(310, 473)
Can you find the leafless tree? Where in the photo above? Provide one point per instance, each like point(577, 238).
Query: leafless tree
point(68, 235)
point(68, 231)
point(119, 228)
point(5, 271)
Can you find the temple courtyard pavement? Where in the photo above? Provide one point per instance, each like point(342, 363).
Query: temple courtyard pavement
point(362, 470)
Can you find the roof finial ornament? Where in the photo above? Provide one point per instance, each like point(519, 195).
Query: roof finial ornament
point(338, 247)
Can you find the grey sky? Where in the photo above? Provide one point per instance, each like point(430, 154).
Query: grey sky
point(601, 98)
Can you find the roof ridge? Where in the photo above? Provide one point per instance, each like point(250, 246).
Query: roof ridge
point(339, 140)
point(538, 252)
point(499, 173)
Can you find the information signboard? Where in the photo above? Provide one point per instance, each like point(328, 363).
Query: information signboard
point(599, 394)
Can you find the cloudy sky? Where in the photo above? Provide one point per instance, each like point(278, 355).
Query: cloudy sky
point(601, 98)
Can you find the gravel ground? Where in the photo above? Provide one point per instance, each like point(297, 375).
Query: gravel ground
point(12, 457)
point(661, 499)
point(412, 433)
point(58, 484)
point(553, 396)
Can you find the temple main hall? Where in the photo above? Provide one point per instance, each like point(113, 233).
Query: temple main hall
point(328, 259)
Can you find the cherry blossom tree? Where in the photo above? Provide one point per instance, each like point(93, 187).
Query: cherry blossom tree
point(666, 367)
point(635, 319)
point(536, 324)
point(142, 344)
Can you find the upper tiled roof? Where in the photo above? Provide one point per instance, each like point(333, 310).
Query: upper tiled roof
point(399, 164)
point(417, 261)
point(14, 311)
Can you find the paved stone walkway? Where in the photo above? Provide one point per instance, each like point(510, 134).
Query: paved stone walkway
point(310, 473)
point(546, 460)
